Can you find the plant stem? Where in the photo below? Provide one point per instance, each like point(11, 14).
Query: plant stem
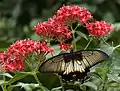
point(105, 42)
point(36, 78)
point(26, 60)
point(74, 43)
point(34, 73)
point(77, 26)
point(61, 83)
point(73, 33)
point(117, 46)
point(4, 85)
point(88, 44)
point(40, 59)
point(103, 87)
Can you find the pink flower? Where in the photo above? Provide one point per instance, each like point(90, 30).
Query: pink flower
point(99, 28)
point(64, 46)
point(25, 47)
point(72, 14)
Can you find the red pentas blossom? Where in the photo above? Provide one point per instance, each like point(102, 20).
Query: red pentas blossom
point(13, 63)
point(53, 29)
point(64, 46)
point(10, 62)
point(12, 59)
point(25, 47)
point(60, 29)
point(45, 48)
point(73, 13)
point(44, 30)
point(57, 28)
point(3, 57)
point(99, 28)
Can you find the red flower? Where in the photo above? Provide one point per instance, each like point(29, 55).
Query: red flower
point(25, 47)
point(13, 63)
point(73, 13)
point(12, 59)
point(99, 28)
point(56, 27)
point(3, 57)
point(10, 62)
point(64, 46)
point(44, 30)
point(45, 48)
point(53, 29)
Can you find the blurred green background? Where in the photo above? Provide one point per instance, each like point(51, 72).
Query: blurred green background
point(17, 17)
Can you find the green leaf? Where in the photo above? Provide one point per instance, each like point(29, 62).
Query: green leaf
point(81, 34)
point(31, 86)
point(44, 88)
point(10, 87)
point(95, 74)
point(90, 84)
point(26, 86)
point(17, 77)
point(56, 89)
point(7, 75)
point(113, 77)
point(107, 49)
point(2, 82)
point(116, 25)
point(98, 70)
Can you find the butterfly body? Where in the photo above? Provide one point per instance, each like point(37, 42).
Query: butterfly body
point(73, 65)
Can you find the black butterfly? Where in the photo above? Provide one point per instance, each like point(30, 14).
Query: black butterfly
point(73, 65)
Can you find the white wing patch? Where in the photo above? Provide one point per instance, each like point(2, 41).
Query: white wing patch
point(74, 66)
point(69, 68)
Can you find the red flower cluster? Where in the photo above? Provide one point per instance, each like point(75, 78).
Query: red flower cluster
point(12, 59)
point(2, 57)
point(99, 28)
point(73, 13)
point(52, 30)
point(44, 29)
point(24, 47)
point(64, 46)
point(57, 28)
point(13, 63)
point(10, 63)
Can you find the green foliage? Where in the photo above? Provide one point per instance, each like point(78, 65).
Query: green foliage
point(17, 18)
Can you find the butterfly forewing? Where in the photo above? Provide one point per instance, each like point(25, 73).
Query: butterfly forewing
point(90, 58)
point(54, 64)
point(73, 62)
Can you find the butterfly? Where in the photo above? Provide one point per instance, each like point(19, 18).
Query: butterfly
point(74, 65)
